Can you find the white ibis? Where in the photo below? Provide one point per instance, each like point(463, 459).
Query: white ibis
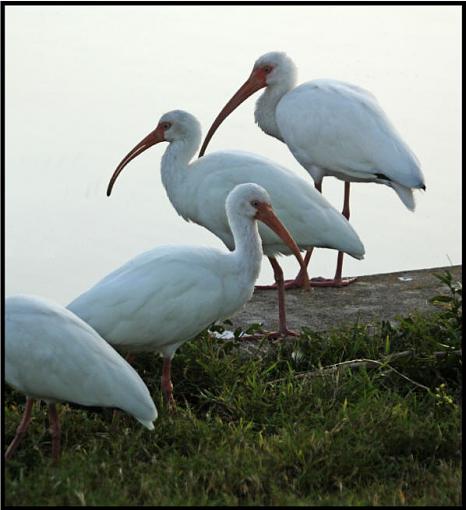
point(198, 190)
point(52, 355)
point(331, 128)
point(166, 296)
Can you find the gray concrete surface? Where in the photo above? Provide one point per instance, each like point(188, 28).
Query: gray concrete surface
point(373, 297)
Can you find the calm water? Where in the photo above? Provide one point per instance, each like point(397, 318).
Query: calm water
point(85, 84)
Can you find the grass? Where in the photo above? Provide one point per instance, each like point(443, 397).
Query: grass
point(273, 428)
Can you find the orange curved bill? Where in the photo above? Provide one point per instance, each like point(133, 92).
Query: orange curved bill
point(255, 82)
point(152, 138)
point(266, 215)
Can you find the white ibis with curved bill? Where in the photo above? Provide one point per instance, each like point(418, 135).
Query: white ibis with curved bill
point(198, 190)
point(53, 355)
point(331, 128)
point(166, 296)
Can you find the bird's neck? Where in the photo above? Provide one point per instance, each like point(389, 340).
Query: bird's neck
point(175, 168)
point(247, 254)
point(264, 113)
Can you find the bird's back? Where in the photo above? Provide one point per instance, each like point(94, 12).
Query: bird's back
point(51, 354)
point(161, 298)
point(310, 218)
point(341, 129)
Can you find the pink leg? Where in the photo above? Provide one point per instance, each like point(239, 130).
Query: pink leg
point(298, 282)
point(283, 330)
point(338, 281)
point(346, 214)
point(55, 431)
point(21, 430)
point(166, 383)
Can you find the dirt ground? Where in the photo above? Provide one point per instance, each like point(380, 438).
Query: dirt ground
point(374, 297)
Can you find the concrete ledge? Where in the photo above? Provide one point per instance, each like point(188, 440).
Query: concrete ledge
point(373, 297)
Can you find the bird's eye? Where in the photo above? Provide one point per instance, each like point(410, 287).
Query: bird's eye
point(255, 203)
point(166, 125)
point(267, 69)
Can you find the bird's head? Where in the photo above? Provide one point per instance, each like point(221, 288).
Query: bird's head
point(252, 201)
point(173, 126)
point(179, 125)
point(274, 69)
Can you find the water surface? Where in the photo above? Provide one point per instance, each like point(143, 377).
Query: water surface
point(85, 83)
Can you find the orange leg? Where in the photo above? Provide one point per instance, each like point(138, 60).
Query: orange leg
point(21, 430)
point(166, 383)
point(283, 330)
point(298, 282)
point(337, 281)
point(55, 431)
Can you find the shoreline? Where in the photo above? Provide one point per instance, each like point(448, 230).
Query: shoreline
point(371, 297)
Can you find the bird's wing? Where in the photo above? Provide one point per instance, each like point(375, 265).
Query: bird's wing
point(161, 297)
point(341, 127)
point(52, 354)
point(310, 218)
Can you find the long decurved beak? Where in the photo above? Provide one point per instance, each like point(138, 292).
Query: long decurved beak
point(266, 215)
point(255, 82)
point(152, 138)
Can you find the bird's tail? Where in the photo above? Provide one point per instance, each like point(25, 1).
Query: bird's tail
point(406, 195)
point(148, 424)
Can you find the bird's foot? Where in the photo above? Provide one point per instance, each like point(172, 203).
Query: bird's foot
point(171, 404)
point(331, 282)
point(281, 335)
point(167, 389)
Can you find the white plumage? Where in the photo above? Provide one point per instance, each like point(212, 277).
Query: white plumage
point(166, 296)
point(310, 218)
point(331, 128)
point(163, 297)
point(198, 190)
point(52, 355)
point(343, 132)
